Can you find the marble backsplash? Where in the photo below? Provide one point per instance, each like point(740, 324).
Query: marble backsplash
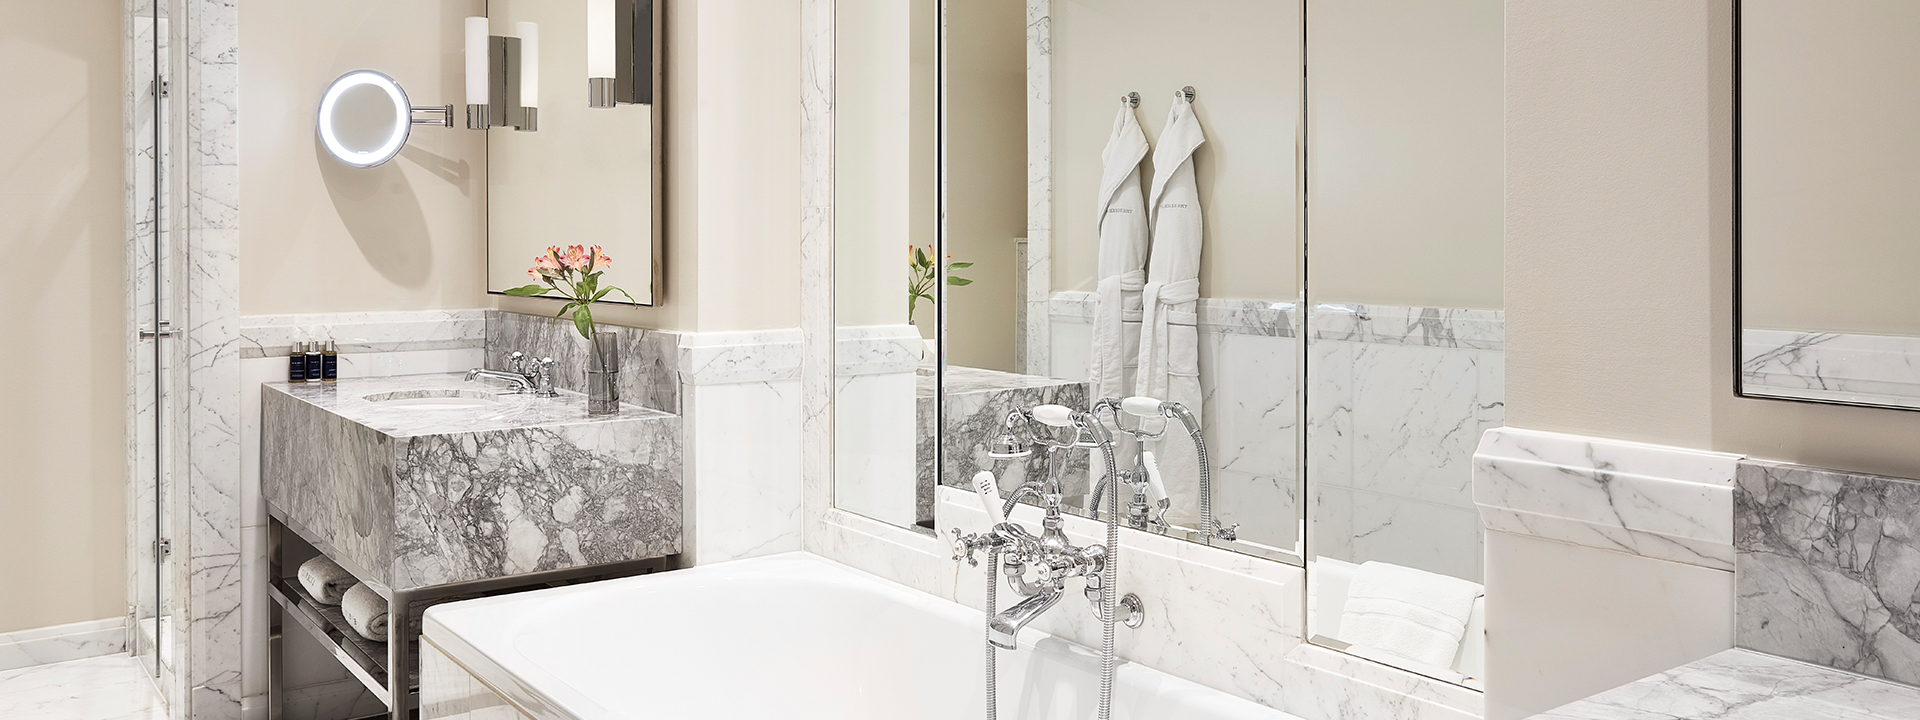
point(649, 371)
point(1828, 568)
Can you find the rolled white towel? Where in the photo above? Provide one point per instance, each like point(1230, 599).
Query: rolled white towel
point(366, 611)
point(326, 580)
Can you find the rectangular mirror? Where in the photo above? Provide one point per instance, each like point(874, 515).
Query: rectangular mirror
point(886, 223)
point(1829, 173)
point(583, 175)
point(1405, 348)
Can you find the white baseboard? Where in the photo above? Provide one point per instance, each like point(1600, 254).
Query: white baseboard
point(59, 643)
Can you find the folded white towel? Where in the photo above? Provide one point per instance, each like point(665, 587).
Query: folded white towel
point(366, 611)
point(326, 580)
point(1411, 613)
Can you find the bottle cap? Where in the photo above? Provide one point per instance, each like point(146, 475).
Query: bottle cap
point(331, 347)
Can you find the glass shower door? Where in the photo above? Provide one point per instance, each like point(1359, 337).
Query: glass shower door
point(153, 352)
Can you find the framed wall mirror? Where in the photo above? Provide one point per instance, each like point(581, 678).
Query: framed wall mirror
point(1828, 172)
point(1084, 217)
point(572, 173)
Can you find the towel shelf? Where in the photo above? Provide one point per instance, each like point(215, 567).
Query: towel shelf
point(363, 658)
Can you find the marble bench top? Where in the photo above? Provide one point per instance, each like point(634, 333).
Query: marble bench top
point(1747, 685)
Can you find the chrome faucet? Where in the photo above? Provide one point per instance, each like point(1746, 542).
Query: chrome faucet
point(1050, 556)
point(527, 375)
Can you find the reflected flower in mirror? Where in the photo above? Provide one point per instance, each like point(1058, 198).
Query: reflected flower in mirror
point(922, 273)
point(573, 273)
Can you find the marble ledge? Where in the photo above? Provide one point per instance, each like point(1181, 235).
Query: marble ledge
point(1228, 316)
point(1664, 503)
point(728, 358)
point(1838, 367)
point(1743, 684)
point(876, 349)
point(1472, 329)
point(364, 332)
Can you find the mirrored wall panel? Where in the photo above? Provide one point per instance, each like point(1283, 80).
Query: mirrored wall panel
point(566, 166)
point(1404, 351)
point(887, 275)
point(1131, 219)
point(1829, 174)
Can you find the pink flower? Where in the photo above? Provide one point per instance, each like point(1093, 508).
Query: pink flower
point(576, 258)
point(598, 260)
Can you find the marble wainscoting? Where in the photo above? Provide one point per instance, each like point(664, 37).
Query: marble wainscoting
point(740, 395)
point(876, 431)
point(1828, 566)
point(1839, 367)
point(1249, 378)
point(649, 372)
point(1606, 561)
point(1396, 398)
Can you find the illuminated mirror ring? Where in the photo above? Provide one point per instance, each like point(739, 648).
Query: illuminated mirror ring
point(356, 134)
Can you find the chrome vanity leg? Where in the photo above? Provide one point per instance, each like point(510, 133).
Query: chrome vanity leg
point(401, 664)
point(274, 667)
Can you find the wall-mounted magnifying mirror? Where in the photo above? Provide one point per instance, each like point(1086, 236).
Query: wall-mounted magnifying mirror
point(364, 118)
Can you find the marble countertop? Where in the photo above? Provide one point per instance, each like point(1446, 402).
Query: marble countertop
point(349, 398)
point(1747, 685)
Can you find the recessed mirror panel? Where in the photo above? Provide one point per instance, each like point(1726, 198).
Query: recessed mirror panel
point(1829, 169)
point(580, 176)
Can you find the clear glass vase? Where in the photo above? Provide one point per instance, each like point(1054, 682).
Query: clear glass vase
point(603, 373)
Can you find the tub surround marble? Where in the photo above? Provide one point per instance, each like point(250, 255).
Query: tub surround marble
point(1828, 565)
point(1747, 685)
point(416, 497)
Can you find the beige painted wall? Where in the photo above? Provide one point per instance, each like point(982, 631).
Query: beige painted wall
point(63, 371)
point(986, 175)
point(319, 236)
point(1831, 165)
point(1243, 59)
point(1619, 243)
point(1404, 137)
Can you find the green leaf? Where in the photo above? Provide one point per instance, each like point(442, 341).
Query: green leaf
point(959, 265)
point(623, 292)
point(601, 294)
point(958, 281)
point(527, 291)
point(583, 321)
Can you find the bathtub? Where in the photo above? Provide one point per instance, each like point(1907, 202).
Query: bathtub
point(786, 636)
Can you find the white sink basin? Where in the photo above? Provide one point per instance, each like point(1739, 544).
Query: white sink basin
point(437, 399)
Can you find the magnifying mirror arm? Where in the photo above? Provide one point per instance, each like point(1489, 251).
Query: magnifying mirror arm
point(445, 119)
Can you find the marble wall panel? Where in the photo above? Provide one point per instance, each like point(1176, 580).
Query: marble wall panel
point(743, 418)
point(1829, 567)
point(649, 359)
point(1838, 367)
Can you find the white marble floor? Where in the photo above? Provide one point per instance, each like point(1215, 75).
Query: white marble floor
point(112, 687)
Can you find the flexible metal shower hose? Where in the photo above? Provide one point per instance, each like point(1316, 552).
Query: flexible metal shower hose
point(1109, 592)
point(993, 606)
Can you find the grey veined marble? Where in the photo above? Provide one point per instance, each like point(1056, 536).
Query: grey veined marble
point(977, 402)
point(1828, 568)
point(1746, 685)
point(418, 496)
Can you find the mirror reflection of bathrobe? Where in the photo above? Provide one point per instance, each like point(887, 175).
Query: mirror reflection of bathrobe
point(1169, 341)
point(1123, 260)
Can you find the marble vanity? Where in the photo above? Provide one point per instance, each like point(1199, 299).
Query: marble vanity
point(431, 487)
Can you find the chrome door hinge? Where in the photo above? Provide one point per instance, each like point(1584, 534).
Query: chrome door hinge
point(164, 330)
point(159, 87)
point(162, 548)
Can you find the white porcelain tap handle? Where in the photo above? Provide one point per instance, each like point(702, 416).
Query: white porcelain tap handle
point(1155, 487)
point(1141, 406)
point(989, 491)
point(1054, 415)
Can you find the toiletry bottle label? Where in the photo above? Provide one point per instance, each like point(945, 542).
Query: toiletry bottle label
point(297, 366)
point(313, 361)
point(330, 366)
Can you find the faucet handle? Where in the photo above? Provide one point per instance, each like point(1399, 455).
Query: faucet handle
point(517, 362)
point(964, 545)
point(543, 378)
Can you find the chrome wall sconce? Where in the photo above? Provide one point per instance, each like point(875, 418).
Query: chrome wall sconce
point(620, 49)
point(503, 77)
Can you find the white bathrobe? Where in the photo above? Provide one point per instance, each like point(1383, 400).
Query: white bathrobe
point(1123, 260)
point(1169, 342)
